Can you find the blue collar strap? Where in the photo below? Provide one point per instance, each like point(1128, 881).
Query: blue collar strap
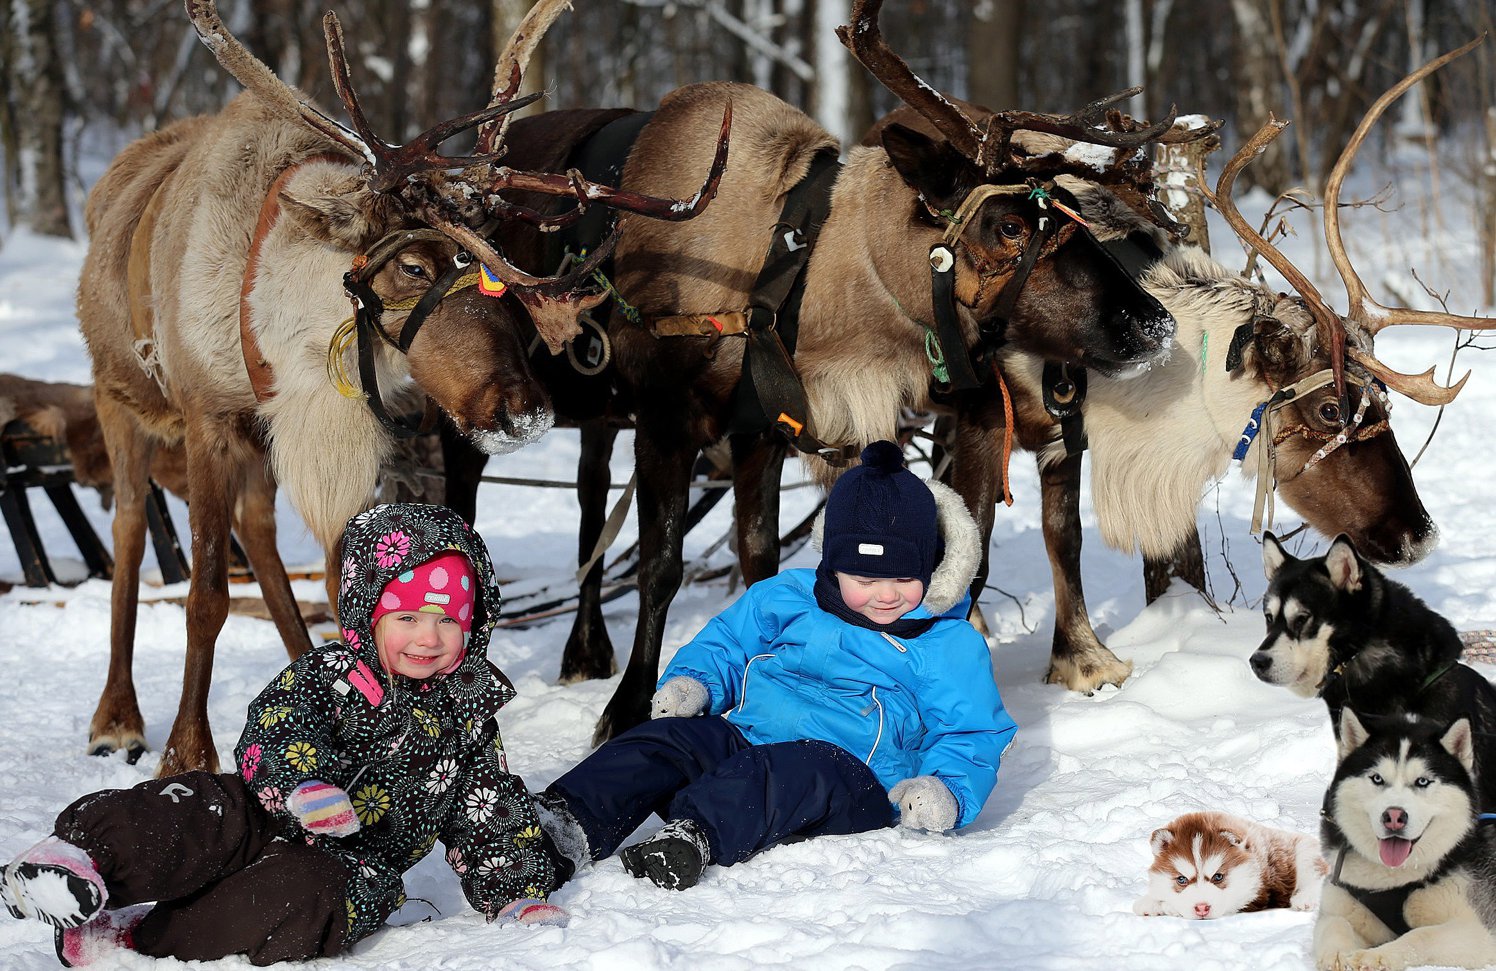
point(1254, 425)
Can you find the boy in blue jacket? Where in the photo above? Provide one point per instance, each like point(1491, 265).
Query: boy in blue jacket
point(851, 697)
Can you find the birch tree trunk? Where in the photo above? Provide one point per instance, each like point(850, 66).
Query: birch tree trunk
point(507, 15)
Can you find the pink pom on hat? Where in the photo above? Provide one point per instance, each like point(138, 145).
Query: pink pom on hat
point(445, 584)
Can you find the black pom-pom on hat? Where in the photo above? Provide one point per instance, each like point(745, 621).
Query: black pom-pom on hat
point(885, 457)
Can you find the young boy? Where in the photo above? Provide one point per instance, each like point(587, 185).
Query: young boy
point(355, 760)
point(851, 696)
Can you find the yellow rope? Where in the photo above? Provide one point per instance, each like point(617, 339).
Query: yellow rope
point(346, 334)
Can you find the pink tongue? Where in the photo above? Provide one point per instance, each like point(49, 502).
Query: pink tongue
point(1394, 850)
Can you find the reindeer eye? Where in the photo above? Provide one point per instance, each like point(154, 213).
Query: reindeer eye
point(1182, 880)
point(413, 270)
point(1330, 412)
point(1012, 227)
point(1377, 780)
point(1218, 878)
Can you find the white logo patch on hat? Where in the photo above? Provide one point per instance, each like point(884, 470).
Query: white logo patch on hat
point(432, 597)
point(870, 549)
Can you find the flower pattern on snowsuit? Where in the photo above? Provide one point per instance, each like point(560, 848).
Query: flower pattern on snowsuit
point(421, 757)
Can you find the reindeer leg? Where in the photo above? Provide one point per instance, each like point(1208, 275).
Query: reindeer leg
point(116, 721)
point(1187, 563)
point(1078, 660)
point(463, 465)
point(974, 474)
point(213, 480)
point(255, 524)
point(662, 459)
point(589, 651)
point(757, 463)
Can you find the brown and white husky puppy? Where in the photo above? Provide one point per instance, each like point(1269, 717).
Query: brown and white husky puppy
point(1208, 865)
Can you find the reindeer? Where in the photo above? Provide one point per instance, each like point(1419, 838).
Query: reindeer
point(865, 314)
point(234, 237)
point(1158, 439)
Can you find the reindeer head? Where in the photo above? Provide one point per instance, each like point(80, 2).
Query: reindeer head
point(1020, 259)
point(412, 226)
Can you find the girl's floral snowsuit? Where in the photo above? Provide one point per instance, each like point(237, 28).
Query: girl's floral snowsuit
point(421, 761)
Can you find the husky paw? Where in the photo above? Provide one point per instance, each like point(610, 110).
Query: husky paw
point(1302, 902)
point(1361, 961)
point(1148, 907)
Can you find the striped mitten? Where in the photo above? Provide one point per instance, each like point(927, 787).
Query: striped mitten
point(322, 809)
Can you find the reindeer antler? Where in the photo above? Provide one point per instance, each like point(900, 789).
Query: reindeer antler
point(989, 145)
point(1364, 312)
point(449, 208)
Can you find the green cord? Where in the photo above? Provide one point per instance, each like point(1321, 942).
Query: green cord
point(627, 309)
point(1204, 346)
point(937, 359)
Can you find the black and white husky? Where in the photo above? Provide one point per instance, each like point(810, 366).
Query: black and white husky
point(1412, 866)
point(1339, 629)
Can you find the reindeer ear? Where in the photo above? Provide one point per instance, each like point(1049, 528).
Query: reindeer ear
point(1279, 349)
point(1459, 742)
point(1160, 838)
point(933, 169)
point(1273, 555)
point(1344, 564)
point(1352, 733)
point(345, 213)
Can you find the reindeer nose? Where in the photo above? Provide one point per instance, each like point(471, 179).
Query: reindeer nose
point(1260, 663)
point(1202, 910)
point(1394, 819)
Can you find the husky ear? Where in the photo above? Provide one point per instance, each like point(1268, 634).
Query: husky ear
point(1460, 742)
point(1160, 838)
point(1344, 564)
point(1273, 555)
point(1352, 733)
point(1234, 838)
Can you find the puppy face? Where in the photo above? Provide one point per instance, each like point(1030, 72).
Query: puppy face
point(1201, 872)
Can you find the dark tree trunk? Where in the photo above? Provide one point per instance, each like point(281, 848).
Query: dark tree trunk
point(1259, 92)
point(36, 74)
point(994, 53)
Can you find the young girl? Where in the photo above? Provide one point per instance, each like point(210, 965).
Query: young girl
point(354, 762)
point(851, 696)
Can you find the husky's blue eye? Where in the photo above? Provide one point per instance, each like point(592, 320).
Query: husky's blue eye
point(1218, 878)
point(1422, 782)
point(1377, 780)
point(1182, 880)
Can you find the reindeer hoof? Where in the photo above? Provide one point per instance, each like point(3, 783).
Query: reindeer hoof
point(134, 751)
point(1089, 671)
point(132, 742)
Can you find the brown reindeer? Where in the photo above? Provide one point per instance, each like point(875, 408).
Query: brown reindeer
point(864, 315)
point(234, 237)
point(1158, 439)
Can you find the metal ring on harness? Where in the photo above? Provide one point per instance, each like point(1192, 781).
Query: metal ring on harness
point(597, 359)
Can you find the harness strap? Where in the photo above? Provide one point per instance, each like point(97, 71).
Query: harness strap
point(1064, 391)
point(770, 392)
point(1265, 481)
point(261, 376)
point(1386, 905)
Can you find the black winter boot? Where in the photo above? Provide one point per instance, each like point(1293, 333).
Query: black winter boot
point(673, 858)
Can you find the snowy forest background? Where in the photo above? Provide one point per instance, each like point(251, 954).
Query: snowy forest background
point(82, 77)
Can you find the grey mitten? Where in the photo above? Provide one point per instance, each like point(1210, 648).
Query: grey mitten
point(680, 697)
point(924, 803)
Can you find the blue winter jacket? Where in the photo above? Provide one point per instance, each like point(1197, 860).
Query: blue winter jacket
point(780, 668)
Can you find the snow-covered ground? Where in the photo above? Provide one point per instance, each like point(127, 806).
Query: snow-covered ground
point(1044, 879)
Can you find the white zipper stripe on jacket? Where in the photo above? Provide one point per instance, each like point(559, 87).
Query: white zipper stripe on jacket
point(743, 695)
point(890, 639)
point(879, 737)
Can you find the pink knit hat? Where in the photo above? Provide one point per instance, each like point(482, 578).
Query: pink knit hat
point(445, 584)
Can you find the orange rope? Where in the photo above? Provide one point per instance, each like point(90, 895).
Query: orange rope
point(1007, 431)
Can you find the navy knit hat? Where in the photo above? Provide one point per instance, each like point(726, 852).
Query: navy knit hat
point(880, 520)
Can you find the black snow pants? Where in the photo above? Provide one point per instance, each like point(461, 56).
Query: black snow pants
point(203, 848)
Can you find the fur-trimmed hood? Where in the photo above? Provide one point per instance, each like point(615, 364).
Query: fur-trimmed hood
point(958, 563)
